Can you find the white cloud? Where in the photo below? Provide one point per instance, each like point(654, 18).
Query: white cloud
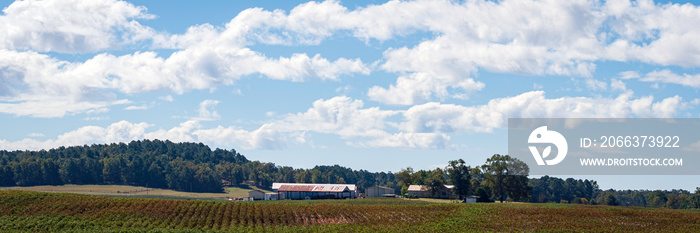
point(629, 75)
point(49, 107)
point(265, 137)
point(72, 26)
point(596, 85)
point(122, 131)
point(30, 74)
point(181, 133)
point(140, 107)
point(666, 76)
point(448, 118)
point(168, 98)
point(537, 86)
point(339, 115)
point(100, 118)
point(618, 85)
point(425, 126)
point(695, 101)
point(695, 147)
point(207, 111)
point(36, 135)
point(564, 38)
point(411, 140)
point(521, 37)
point(419, 87)
point(655, 33)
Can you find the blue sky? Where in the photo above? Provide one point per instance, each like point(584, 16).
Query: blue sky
point(369, 85)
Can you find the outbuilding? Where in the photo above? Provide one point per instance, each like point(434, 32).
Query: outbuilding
point(256, 195)
point(470, 199)
point(378, 191)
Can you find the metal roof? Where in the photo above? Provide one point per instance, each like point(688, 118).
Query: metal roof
point(313, 187)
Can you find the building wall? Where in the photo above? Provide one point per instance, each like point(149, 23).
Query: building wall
point(317, 195)
point(257, 195)
point(274, 196)
point(376, 191)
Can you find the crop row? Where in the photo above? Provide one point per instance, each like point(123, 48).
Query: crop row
point(210, 215)
point(33, 211)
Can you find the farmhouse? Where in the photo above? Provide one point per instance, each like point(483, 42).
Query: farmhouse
point(315, 191)
point(424, 191)
point(256, 195)
point(378, 191)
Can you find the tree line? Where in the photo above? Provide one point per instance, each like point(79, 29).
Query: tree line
point(503, 177)
point(191, 167)
point(194, 167)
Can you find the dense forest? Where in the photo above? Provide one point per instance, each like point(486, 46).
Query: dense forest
point(191, 167)
point(194, 167)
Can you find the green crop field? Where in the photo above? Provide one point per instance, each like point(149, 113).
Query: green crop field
point(41, 211)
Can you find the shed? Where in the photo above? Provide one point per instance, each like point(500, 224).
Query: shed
point(470, 199)
point(378, 191)
point(256, 195)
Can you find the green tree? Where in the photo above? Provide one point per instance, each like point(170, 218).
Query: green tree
point(156, 177)
point(436, 182)
point(474, 184)
point(482, 194)
point(459, 177)
point(51, 172)
point(506, 176)
point(657, 198)
point(610, 199)
point(404, 176)
point(404, 190)
point(7, 176)
point(302, 176)
point(112, 171)
point(516, 180)
point(694, 201)
point(28, 173)
point(238, 175)
point(71, 171)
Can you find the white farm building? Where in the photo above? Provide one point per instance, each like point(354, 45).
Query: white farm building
point(297, 191)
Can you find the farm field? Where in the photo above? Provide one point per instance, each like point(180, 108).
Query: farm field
point(134, 191)
point(41, 211)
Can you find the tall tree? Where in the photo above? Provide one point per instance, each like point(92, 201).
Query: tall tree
point(404, 176)
point(436, 181)
point(506, 176)
point(459, 177)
